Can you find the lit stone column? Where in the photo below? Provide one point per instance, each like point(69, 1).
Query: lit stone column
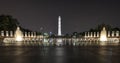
point(88, 34)
point(28, 34)
point(108, 33)
point(34, 34)
point(97, 34)
point(2, 33)
point(112, 33)
point(94, 34)
point(11, 33)
point(91, 34)
point(85, 34)
point(117, 33)
point(7, 34)
point(25, 34)
point(31, 34)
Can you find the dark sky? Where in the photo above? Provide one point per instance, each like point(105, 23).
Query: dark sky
point(77, 15)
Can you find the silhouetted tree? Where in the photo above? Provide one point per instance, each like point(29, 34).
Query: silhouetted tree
point(99, 27)
point(67, 35)
point(116, 29)
point(7, 22)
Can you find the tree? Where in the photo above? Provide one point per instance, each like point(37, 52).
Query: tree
point(7, 22)
point(99, 27)
point(67, 36)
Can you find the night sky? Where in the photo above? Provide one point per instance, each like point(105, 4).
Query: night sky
point(76, 15)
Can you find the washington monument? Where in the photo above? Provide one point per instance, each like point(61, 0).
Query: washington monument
point(59, 26)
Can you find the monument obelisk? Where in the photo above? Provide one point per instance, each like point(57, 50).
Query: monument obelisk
point(59, 26)
point(59, 39)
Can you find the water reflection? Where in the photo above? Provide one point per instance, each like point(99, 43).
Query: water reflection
point(60, 55)
point(66, 54)
point(106, 54)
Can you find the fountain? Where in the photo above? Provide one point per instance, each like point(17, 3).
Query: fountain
point(18, 35)
point(103, 36)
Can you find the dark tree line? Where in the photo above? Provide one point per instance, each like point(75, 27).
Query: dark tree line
point(8, 23)
point(108, 27)
point(97, 29)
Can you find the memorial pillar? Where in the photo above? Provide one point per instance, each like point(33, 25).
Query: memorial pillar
point(108, 33)
point(112, 33)
point(11, 34)
point(91, 34)
point(2, 33)
point(25, 34)
point(85, 34)
point(88, 34)
point(94, 34)
point(7, 34)
point(28, 34)
point(97, 34)
point(31, 34)
point(117, 33)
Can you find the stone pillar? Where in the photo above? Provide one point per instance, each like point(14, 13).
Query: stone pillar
point(31, 34)
point(85, 34)
point(34, 34)
point(7, 34)
point(11, 34)
point(88, 34)
point(2, 33)
point(94, 34)
point(117, 33)
point(108, 33)
point(112, 33)
point(97, 34)
point(28, 34)
point(91, 35)
point(25, 34)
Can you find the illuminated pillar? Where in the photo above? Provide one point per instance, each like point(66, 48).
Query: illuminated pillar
point(2, 33)
point(28, 34)
point(11, 33)
point(91, 34)
point(34, 34)
point(94, 34)
point(85, 34)
point(97, 34)
point(59, 26)
point(25, 34)
point(117, 33)
point(31, 34)
point(88, 34)
point(112, 33)
point(7, 34)
point(108, 33)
